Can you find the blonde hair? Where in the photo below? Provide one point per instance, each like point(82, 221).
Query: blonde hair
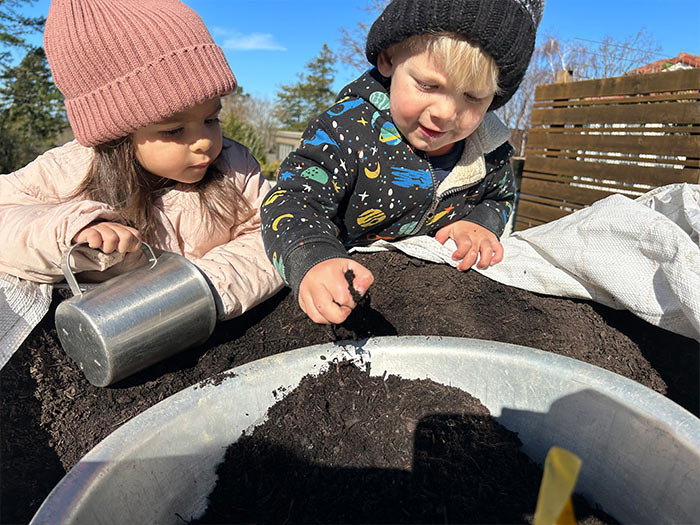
point(469, 65)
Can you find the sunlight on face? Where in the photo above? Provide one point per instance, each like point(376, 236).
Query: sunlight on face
point(429, 109)
point(182, 147)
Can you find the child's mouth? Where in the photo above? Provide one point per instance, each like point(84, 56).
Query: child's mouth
point(431, 133)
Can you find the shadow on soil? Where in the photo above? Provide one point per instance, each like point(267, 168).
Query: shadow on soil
point(37, 460)
point(683, 382)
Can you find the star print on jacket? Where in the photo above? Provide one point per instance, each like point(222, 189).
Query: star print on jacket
point(355, 179)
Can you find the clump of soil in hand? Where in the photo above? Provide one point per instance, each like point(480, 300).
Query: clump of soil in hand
point(356, 296)
point(345, 447)
point(362, 317)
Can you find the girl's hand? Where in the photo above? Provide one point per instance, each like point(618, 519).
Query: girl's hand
point(324, 294)
point(110, 236)
point(472, 240)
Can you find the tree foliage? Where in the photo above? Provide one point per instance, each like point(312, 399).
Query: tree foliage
point(241, 131)
point(310, 95)
point(32, 111)
point(584, 59)
point(13, 27)
point(352, 52)
point(589, 59)
point(251, 121)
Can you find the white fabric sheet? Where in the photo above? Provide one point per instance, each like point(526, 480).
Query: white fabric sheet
point(22, 305)
point(642, 255)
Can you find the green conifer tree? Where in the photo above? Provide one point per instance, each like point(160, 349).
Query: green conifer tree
point(311, 94)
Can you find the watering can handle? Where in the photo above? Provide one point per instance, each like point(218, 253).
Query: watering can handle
point(70, 278)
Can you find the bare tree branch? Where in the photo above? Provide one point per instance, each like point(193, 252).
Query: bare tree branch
point(352, 43)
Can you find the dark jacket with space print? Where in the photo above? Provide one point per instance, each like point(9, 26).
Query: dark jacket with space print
point(355, 180)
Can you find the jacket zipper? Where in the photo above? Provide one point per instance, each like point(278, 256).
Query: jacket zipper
point(436, 199)
point(433, 206)
point(457, 189)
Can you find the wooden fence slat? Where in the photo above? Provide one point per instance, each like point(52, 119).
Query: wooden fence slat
point(648, 175)
point(565, 192)
point(522, 223)
point(638, 144)
point(685, 113)
point(605, 185)
point(642, 128)
point(665, 81)
point(531, 210)
point(645, 99)
point(587, 157)
point(547, 201)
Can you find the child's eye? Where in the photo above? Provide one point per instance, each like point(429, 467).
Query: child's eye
point(471, 98)
point(212, 121)
point(171, 132)
point(425, 87)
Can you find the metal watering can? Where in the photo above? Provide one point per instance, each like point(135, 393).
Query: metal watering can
point(135, 319)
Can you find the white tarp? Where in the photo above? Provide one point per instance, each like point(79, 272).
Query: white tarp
point(22, 305)
point(642, 255)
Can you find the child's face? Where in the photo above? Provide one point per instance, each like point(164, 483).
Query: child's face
point(429, 109)
point(182, 147)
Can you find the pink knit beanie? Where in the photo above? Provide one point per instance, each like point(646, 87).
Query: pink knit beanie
point(125, 64)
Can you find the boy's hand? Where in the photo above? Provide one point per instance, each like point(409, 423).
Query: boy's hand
point(110, 236)
point(324, 295)
point(472, 240)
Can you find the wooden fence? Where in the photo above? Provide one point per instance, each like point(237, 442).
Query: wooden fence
point(593, 138)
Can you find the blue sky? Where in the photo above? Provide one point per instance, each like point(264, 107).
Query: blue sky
point(267, 42)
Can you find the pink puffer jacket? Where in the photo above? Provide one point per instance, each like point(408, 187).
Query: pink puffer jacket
point(37, 225)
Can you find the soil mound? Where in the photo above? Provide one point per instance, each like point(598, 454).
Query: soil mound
point(50, 415)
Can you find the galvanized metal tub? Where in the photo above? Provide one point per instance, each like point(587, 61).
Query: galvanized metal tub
point(640, 451)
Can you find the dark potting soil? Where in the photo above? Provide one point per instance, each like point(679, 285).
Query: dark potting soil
point(50, 415)
point(345, 447)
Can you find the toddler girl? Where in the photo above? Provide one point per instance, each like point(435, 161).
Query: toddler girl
point(142, 82)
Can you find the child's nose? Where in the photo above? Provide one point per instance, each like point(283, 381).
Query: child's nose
point(202, 143)
point(444, 108)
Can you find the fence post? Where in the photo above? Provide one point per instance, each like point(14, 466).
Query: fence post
point(564, 76)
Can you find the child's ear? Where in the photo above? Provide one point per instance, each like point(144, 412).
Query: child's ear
point(384, 64)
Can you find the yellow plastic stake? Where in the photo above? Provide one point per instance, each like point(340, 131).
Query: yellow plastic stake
point(554, 507)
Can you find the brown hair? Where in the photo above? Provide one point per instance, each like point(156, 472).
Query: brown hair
point(116, 178)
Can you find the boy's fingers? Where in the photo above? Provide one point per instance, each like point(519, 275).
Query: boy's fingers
point(463, 247)
point(485, 254)
point(468, 261)
point(363, 278)
point(442, 235)
point(333, 312)
point(497, 253)
point(340, 293)
point(321, 308)
point(310, 309)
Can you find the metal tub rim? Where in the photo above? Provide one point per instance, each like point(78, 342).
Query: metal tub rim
point(549, 399)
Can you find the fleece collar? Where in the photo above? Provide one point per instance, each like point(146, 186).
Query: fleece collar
point(471, 167)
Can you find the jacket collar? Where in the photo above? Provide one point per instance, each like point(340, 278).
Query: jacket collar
point(471, 167)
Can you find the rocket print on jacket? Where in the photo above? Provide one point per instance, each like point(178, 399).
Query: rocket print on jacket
point(355, 180)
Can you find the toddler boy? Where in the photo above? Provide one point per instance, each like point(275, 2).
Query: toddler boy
point(412, 147)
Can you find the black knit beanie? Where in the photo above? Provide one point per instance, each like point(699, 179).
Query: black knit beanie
point(506, 29)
